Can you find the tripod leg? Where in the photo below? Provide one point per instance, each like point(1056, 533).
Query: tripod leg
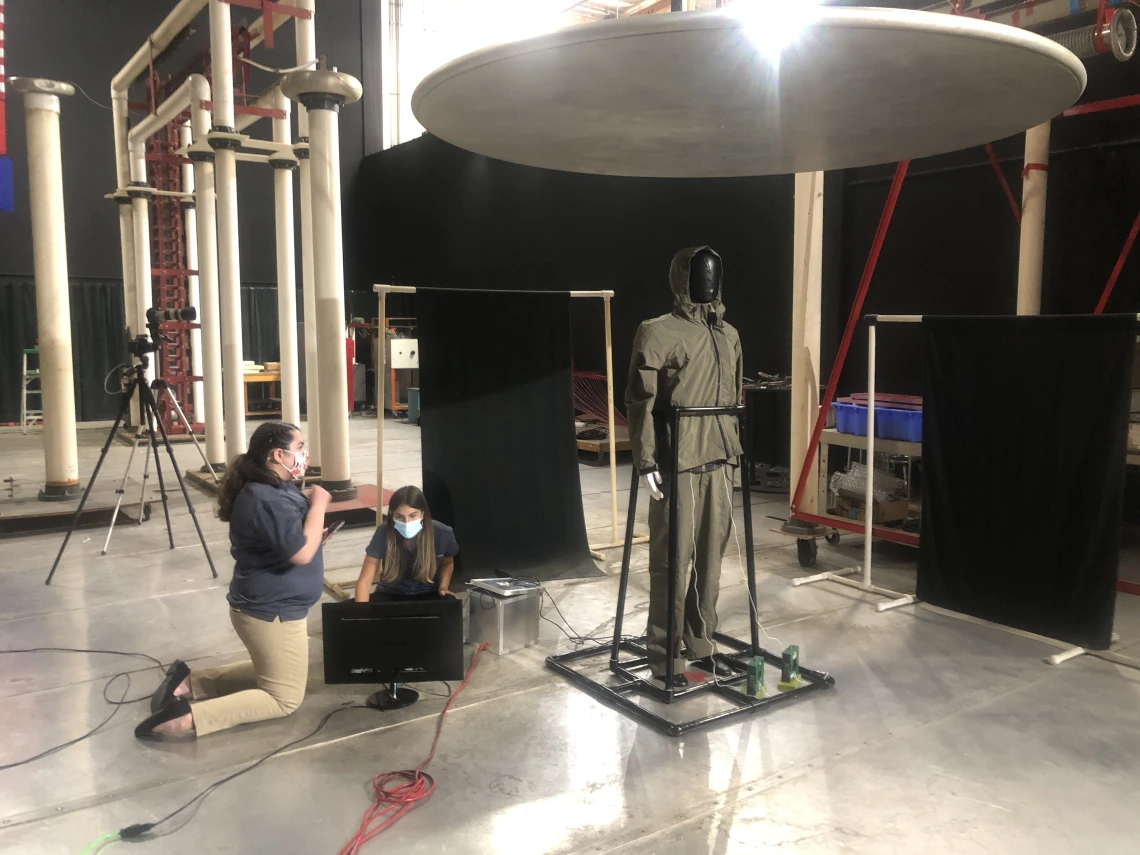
point(123, 408)
point(122, 490)
point(193, 436)
point(145, 479)
point(182, 485)
point(152, 419)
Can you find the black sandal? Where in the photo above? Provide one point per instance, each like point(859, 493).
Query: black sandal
point(175, 709)
point(164, 694)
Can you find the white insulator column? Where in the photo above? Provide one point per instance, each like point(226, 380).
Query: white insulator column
point(306, 53)
point(1035, 182)
point(208, 314)
point(286, 269)
point(323, 93)
point(190, 227)
point(807, 282)
point(53, 304)
point(224, 142)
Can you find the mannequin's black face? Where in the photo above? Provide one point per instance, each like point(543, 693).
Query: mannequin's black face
point(704, 277)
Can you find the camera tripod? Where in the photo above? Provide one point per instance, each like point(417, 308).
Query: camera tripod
point(148, 416)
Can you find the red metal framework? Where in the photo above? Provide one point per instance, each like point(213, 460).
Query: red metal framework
point(895, 535)
point(169, 274)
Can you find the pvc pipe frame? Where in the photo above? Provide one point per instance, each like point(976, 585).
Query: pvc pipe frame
point(865, 584)
point(53, 305)
point(382, 292)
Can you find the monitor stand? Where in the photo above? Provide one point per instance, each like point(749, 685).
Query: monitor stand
point(393, 697)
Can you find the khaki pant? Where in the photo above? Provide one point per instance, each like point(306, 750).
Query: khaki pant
point(704, 517)
point(270, 685)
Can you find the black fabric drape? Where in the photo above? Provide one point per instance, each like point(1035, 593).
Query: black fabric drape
point(260, 335)
point(1025, 424)
point(98, 343)
point(500, 462)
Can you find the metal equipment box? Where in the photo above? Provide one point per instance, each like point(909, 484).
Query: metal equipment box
point(503, 614)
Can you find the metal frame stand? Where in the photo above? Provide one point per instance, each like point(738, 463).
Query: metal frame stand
point(148, 413)
point(864, 583)
point(619, 694)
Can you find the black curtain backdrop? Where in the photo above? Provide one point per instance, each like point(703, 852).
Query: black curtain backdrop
point(1025, 423)
point(429, 214)
point(97, 341)
point(500, 463)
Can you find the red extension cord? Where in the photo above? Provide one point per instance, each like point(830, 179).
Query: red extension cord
point(396, 793)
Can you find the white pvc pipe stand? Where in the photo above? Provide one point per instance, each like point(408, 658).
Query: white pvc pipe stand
point(140, 194)
point(1034, 185)
point(286, 271)
point(864, 584)
point(229, 264)
point(53, 302)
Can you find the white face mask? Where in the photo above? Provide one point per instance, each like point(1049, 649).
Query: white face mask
point(300, 464)
point(409, 530)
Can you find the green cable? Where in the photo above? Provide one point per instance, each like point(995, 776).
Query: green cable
point(98, 844)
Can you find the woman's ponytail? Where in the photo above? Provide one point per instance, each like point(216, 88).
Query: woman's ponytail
point(253, 466)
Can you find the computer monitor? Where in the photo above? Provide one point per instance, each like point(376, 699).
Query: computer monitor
point(391, 642)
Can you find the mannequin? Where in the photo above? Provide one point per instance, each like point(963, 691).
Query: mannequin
point(689, 357)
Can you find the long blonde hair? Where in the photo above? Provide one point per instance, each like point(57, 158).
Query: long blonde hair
point(425, 567)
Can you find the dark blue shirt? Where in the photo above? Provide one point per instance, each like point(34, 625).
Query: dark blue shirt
point(407, 585)
point(266, 530)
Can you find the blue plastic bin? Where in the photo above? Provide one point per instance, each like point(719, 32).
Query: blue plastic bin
point(850, 419)
point(904, 425)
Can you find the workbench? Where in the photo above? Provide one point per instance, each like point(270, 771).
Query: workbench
point(262, 377)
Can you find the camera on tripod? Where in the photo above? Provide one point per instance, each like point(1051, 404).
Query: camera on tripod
point(143, 344)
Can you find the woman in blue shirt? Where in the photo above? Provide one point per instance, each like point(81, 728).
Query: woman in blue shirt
point(410, 554)
point(275, 540)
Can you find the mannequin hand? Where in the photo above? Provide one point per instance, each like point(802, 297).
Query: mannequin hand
point(653, 482)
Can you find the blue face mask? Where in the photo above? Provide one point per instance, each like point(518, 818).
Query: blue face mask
point(409, 529)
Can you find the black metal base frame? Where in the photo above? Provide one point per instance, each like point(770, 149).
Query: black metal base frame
point(620, 694)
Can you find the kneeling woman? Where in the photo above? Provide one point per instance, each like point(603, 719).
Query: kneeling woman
point(275, 539)
point(412, 555)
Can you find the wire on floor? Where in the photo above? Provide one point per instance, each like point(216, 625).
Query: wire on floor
point(100, 843)
point(396, 793)
point(116, 704)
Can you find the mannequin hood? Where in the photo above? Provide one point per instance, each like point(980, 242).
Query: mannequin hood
point(683, 306)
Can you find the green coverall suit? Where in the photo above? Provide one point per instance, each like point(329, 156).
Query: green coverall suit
point(690, 358)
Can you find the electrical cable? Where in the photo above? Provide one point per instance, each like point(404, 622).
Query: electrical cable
point(740, 566)
point(137, 831)
point(115, 704)
point(395, 793)
point(100, 843)
point(256, 64)
point(108, 377)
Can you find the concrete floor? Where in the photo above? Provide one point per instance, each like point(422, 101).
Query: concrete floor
point(941, 736)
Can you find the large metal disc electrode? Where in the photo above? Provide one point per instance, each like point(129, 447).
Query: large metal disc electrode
point(750, 90)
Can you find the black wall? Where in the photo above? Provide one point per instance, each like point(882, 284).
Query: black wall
point(431, 214)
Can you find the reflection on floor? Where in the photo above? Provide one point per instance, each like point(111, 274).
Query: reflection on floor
point(940, 737)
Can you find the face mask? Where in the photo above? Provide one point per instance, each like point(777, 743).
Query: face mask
point(409, 529)
point(300, 464)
